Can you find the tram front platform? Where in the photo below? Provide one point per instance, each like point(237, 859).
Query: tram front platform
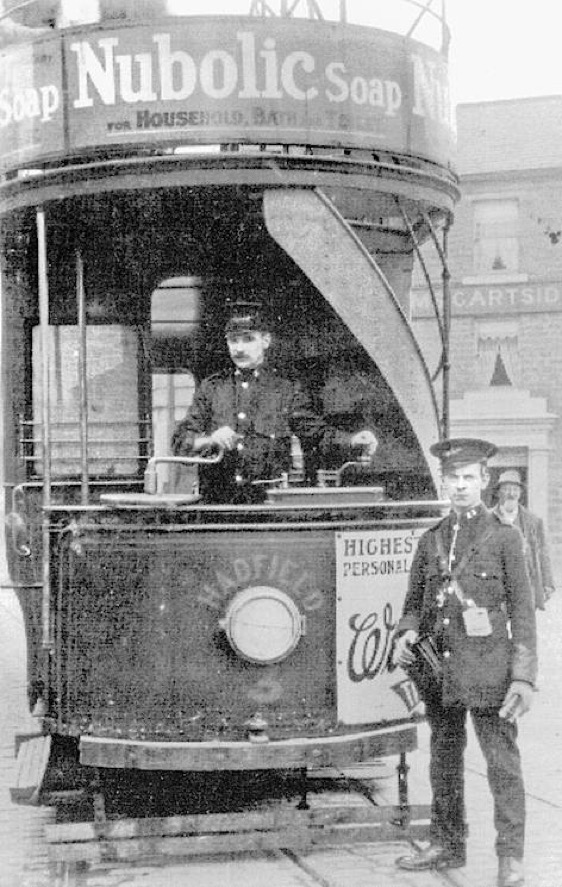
point(25, 860)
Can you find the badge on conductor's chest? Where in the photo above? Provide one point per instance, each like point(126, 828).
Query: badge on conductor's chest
point(477, 622)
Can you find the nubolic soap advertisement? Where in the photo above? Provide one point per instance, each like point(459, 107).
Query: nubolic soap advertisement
point(212, 80)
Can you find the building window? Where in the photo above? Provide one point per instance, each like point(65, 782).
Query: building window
point(498, 354)
point(496, 245)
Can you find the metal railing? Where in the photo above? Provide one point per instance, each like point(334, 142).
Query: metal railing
point(109, 444)
point(423, 20)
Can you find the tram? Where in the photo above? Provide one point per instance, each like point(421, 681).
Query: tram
point(159, 160)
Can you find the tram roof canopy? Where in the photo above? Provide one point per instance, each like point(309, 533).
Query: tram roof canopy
point(289, 74)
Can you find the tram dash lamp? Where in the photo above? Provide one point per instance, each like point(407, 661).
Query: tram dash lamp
point(263, 624)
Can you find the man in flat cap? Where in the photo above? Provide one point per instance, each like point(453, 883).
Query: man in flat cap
point(251, 412)
point(469, 590)
point(510, 510)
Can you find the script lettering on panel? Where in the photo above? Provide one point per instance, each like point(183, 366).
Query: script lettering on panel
point(371, 581)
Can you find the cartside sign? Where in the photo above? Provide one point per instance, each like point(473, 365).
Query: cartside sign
point(213, 80)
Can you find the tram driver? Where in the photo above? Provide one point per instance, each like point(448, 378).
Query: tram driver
point(251, 412)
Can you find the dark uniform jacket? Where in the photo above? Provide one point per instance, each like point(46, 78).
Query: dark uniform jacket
point(477, 670)
point(266, 409)
point(536, 552)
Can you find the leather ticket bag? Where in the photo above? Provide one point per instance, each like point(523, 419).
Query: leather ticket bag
point(427, 670)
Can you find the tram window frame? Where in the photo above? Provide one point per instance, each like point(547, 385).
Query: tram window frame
point(175, 305)
point(114, 441)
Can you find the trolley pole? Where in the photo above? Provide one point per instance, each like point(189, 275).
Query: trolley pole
point(446, 330)
point(82, 378)
point(46, 421)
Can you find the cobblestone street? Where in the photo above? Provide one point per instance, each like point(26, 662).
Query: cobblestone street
point(24, 860)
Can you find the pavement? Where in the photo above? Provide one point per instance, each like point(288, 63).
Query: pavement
point(24, 861)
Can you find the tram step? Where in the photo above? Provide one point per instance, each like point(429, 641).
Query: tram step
point(31, 767)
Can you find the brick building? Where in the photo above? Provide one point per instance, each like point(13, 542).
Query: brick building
point(505, 257)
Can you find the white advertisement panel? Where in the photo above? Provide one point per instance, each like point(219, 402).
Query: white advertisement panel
point(372, 569)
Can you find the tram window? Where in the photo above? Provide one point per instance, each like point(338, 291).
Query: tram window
point(174, 324)
point(174, 309)
point(172, 393)
point(112, 397)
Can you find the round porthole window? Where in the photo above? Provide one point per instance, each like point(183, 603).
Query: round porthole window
point(263, 624)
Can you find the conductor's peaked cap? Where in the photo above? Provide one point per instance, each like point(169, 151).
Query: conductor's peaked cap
point(246, 317)
point(456, 451)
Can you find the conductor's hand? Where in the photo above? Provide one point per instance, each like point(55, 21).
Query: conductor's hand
point(225, 437)
point(402, 654)
point(517, 701)
point(367, 440)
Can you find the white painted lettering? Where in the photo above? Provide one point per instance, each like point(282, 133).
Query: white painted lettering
point(5, 108)
point(144, 93)
point(269, 55)
point(306, 62)
point(177, 62)
point(376, 93)
point(495, 297)
point(249, 66)
point(431, 97)
point(100, 74)
point(393, 97)
point(242, 570)
point(28, 103)
point(50, 102)
point(333, 74)
point(219, 74)
point(359, 91)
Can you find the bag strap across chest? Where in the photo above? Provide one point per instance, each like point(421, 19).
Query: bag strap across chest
point(449, 574)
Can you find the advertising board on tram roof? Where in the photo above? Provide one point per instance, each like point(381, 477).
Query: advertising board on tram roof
point(211, 80)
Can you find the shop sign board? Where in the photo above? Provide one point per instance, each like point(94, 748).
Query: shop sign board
point(490, 299)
